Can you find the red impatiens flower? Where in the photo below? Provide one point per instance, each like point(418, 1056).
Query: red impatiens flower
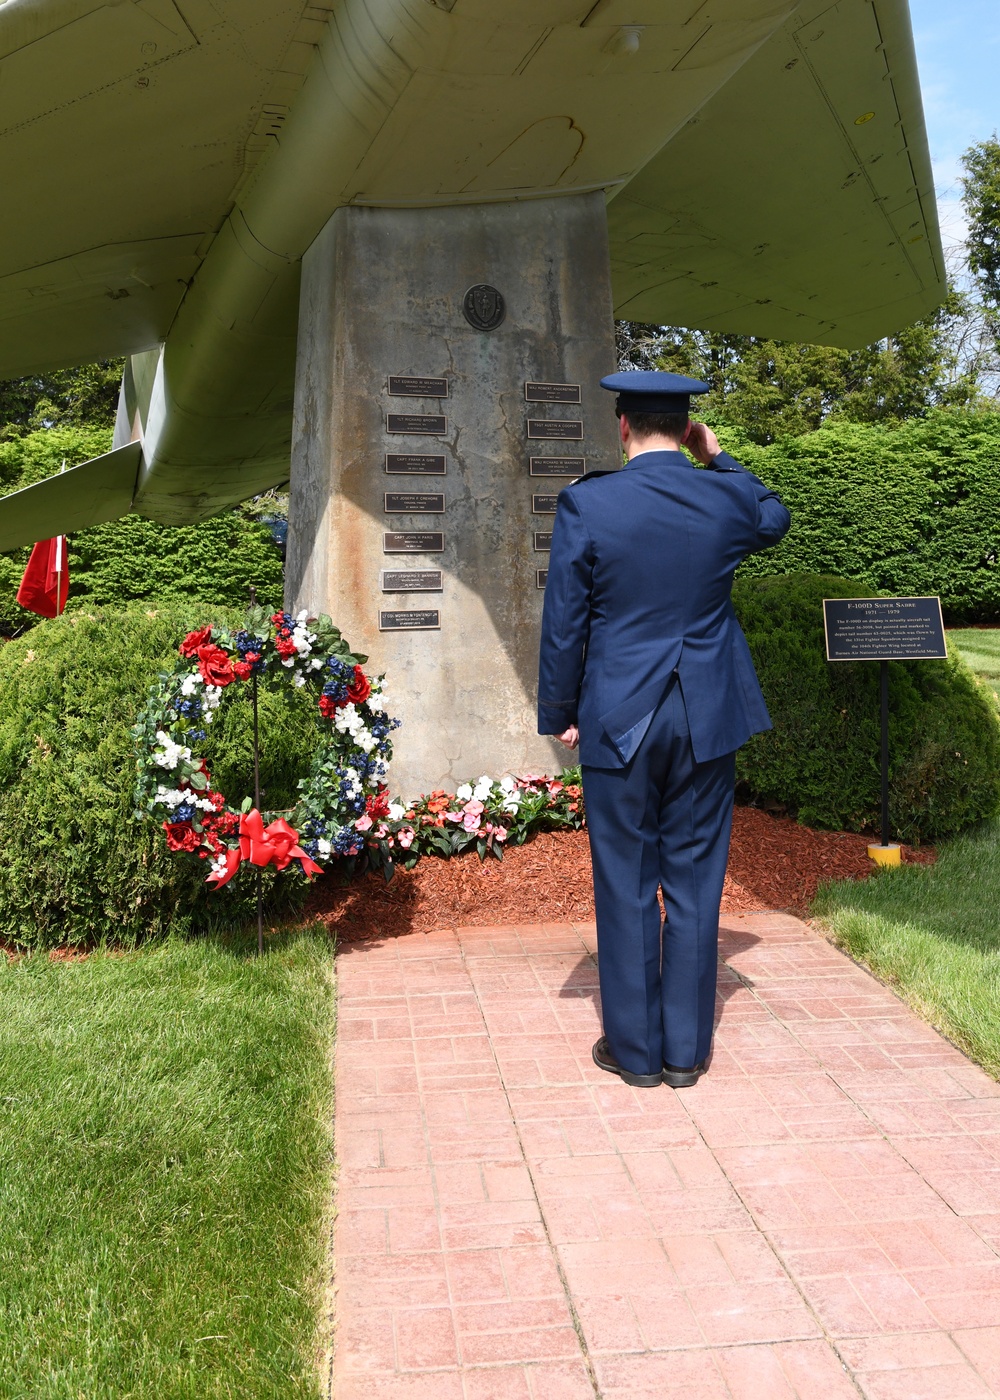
point(360, 688)
point(181, 836)
point(378, 805)
point(242, 670)
point(194, 640)
point(215, 665)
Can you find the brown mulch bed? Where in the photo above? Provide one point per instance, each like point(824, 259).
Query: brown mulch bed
point(774, 863)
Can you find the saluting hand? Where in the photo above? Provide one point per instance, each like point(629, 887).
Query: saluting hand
point(701, 442)
point(570, 737)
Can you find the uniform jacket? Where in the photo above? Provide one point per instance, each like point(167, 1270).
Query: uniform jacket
point(639, 583)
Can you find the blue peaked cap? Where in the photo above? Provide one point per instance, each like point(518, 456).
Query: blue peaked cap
point(653, 391)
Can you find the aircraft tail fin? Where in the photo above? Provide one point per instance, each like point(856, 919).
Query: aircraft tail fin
point(95, 491)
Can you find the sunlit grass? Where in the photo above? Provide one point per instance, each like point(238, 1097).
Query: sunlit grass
point(164, 1170)
point(980, 649)
point(933, 932)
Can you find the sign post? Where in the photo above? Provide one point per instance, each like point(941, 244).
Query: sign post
point(884, 630)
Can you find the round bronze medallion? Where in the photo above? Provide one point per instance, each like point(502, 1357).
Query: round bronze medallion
point(484, 307)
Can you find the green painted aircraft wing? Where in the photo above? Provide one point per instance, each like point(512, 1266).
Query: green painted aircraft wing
point(166, 165)
point(98, 490)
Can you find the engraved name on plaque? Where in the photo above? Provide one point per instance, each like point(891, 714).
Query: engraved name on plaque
point(552, 393)
point(556, 429)
point(429, 424)
point(557, 466)
point(412, 580)
point(412, 542)
point(543, 539)
point(414, 503)
point(543, 505)
point(417, 386)
point(415, 464)
point(541, 577)
point(426, 620)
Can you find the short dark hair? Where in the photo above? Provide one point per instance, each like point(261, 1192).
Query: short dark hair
point(646, 425)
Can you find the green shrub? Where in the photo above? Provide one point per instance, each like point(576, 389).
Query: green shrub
point(211, 564)
point(911, 509)
point(75, 865)
point(822, 759)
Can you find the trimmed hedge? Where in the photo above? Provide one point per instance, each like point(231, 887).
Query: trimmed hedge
point(75, 865)
point(211, 564)
point(822, 759)
point(911, 509)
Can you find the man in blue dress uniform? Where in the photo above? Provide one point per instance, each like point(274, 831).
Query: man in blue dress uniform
point(643, 664)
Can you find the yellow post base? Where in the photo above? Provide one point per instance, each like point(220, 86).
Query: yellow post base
point(884, 855)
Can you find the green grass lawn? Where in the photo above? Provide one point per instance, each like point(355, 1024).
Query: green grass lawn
point(980, 649)
point(165, 1159)
point(933, 932)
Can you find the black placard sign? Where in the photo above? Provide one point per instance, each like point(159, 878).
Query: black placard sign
point(557, 466)
point(412, 581)
point(417, 386)
point(412, 542)
point(414, 502)
point(415, 464)
point(541, 577)
point(543, 539)
point(426, 620)
point(430, 424)
point(884, 629)
point(552, 393)
point(556, 429)
point(543, 505)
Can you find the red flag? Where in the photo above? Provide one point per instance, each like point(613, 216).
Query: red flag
point(45, 584)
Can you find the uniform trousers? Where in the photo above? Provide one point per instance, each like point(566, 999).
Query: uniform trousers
point(662, 821)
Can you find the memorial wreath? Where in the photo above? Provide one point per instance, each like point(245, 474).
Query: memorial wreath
point(344, 803)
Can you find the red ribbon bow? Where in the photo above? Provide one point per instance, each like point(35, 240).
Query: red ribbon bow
point(276, 844)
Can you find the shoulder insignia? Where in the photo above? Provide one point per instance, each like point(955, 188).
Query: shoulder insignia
point(592, 476)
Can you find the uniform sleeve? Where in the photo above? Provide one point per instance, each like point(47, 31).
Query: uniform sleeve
point(773, 518)
point(565, 619)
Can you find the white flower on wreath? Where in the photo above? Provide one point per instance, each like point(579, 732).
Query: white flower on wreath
point(376, 702)
point(191, 682)
point(170, 797)
point(171, 754)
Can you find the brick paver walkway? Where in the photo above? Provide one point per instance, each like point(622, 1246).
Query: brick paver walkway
point(818, 1218)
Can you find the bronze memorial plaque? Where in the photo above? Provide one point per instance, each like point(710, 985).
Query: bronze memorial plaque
point(414, 502)
point(431, 424)
point(557, 466)
point(556, 429)
point(426, 620)
point(541, 577)
point(412, 580)
point(412, 542)
point(884, 629)
point(543, 505)
point(417, 386)
point(543, 539)
point(415, 464)
point(552, 393)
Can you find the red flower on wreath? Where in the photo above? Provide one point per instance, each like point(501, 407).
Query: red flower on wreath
point(194, 640)
point(360, 688)
point(181, 836)
point(242, 670)
point(215, 665)
point(284, 646)
point(378, 805)
point(327, 707)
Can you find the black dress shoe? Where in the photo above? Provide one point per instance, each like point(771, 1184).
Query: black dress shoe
point(679, 1078)
point(604, 1059)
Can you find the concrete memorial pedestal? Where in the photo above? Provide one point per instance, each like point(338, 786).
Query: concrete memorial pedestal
point(448, 385)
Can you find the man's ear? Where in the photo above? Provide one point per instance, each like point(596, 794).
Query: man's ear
point(687, 433)
point(623, 429)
